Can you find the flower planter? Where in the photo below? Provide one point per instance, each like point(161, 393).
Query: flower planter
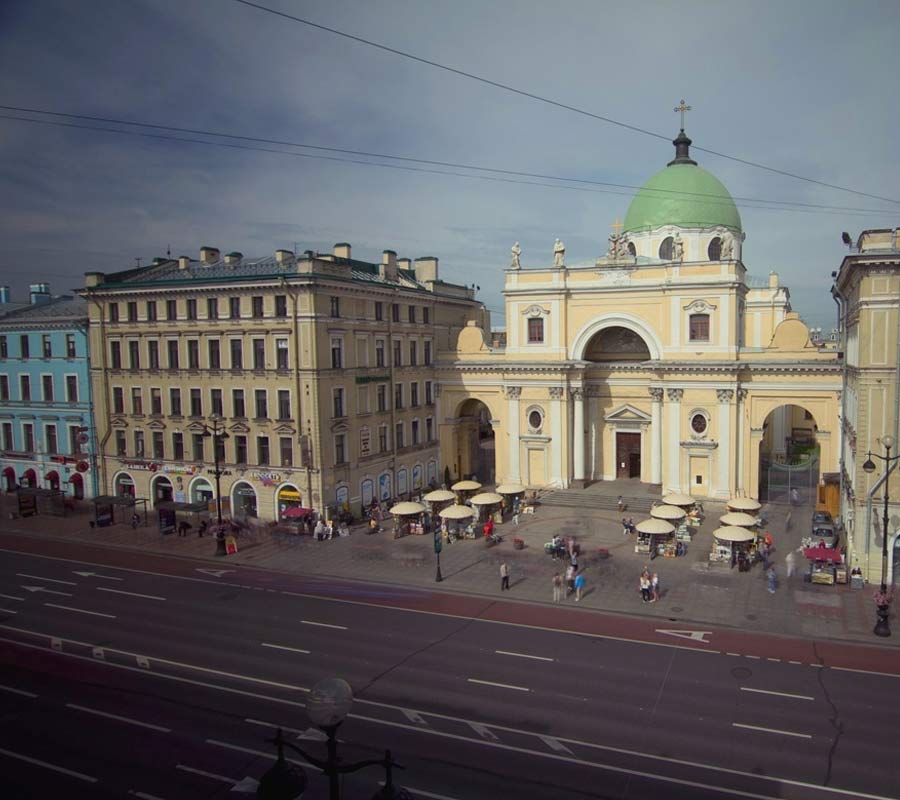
point(518, 544)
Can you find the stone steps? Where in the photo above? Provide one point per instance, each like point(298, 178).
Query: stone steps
point(579, 498)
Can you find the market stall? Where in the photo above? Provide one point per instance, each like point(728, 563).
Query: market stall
point(436, 500)
point(513, 495)
point(826, 566)
point(654, 536)
point(465, 489)
point(489, 506)
point(678, 517)
point(732, 545)
point(407, 518)
point(743, 504)
point(693, 509)
point(452, 516)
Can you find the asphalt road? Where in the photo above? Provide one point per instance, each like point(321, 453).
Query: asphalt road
point(164, 679)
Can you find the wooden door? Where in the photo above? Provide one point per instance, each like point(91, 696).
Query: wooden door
point(628, 455)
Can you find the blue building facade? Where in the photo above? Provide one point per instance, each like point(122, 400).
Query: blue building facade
point(46, 427)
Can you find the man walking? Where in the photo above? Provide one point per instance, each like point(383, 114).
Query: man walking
point(579, 586)
point(504, 576)
point(557, 587)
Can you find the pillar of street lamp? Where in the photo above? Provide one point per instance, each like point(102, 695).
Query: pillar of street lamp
point(882, 625)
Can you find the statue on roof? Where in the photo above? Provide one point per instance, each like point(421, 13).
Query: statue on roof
point(678, 248)
point(727, 246)
point(515, 252)
point(559, 254)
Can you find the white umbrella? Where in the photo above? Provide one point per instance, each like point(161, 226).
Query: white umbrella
point(655, 526)
point(510, 488)
point(678, 499)
point(407, 508)
point(485, 499)
point(732, 533)
point(738, 518)
point(744, 504)
point(667, 512)
point(439, 496)
point(465, 486)
point(456, 512)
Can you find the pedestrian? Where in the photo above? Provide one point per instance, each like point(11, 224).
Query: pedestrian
point(654, 588)
point(579, 586)
point(772, 580)
point(769, 541)
point(625, 529)
point(795, 497)
point(787, 520)
point(620, 504)
point(516, 514)
point(557, 587)
point(202, 529)
point(504, 576)
point(764, 554)
point(631, 524)
point(645, 587)
point(790, 563)
point(570, 580)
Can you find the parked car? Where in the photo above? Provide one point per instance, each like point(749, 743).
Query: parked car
point(822, 517)
point(824, 532)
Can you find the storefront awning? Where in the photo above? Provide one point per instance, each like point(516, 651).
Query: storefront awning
point(822, 554)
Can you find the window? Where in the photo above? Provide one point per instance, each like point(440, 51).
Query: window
point(121, 448)
point(284, 404)
point(132, 311)
point(191, 308)
point(215, 355)
point(171, 310)
point(4, 387)
point(237, 403)
point(237, 353)
point(426, 315)
point(427, 354)
point(113, 312)
point(25, 387)
point(362, 399)
point(382, 439)
point(535, 420)
point(216, 405)
point(632, 250)
point(153, 354)
point(281, 353)
point(134, 354)
point(47, 388)
point(28, 436)
point(398, 396)
point(212, 307)
point(414, 394)
point(429, 429)
point(25, 346)
point(196, 403)
point(362, 352)
point(262, 450)
point(72, 388)
point(139, 443)
point(699, 423)
point(395, 312)
point(197, 443)
point(240, 449)
point(256, 305)
point(398, 436)
point(286, 450)
point(175, 402)
point(667, 249)
point(46, 346)
point(75, 439)
point(70, 345)
point(428, 393)
point(115, 355)
point(379, 352)
point(259, 354)
point(699, 328)
point(414, 432)
point(118, 400)
point(281, 305)
point(4, 348)
point(335, 306)
point(338, 403)
point(379, 311)
point(714, 251)
point(336, 353)
point(156, 400)
point(7, 436)
point(234, 308)
point(137, 402)
point(340, 449)
point(398, 354)
point(219, 448)
point(172, 347)
point(151, 310)
point(159, 450)
point(178, 446)
point(262, 404)
point(381, 396)
point(535, 330)
point(51, 440)
point(413, 353)
point(412, 313)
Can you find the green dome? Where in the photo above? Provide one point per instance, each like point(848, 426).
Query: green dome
point(682, 194)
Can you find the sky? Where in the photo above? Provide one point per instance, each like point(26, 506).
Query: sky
point(802, 87)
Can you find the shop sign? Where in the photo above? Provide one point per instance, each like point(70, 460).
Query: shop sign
point(180, 469)
point(372, 378)
point(267, 478)
point(290, 495)
point(149, 466)
point(365, 441)
point(222, 472)
point(82, 466)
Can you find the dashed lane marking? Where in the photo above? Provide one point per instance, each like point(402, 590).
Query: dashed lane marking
point(771, 730)
point(773, 659)
point(555, 744)
point(484, 731)
point(499, 685)
point(213, 775)
point(17, 691)
point(733, 654)
point(283, 647)
point(131, 594)
point(40, 578)
point(778, 694)
point(128, 720)
point(523, 655)
point(29, 760)
point(81, 611)
point(323, 624)
point(12, 597)
point(7, 611)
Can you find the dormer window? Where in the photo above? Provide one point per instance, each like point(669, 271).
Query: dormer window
point(667, 249)
point(699, 328)
point(714, 251)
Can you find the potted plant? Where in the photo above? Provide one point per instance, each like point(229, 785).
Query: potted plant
point(518, 544)
point(883, 600)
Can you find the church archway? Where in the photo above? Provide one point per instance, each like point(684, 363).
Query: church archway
point(623, 322)
point(616, 343)
point(789, 456)
point(473, 442)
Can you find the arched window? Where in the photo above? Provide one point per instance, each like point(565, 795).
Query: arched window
point(714, 251)
point(666, 249)
point(632, 250)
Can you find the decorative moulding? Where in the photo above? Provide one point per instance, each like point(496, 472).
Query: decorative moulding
point(535, 310)
point(699, 306)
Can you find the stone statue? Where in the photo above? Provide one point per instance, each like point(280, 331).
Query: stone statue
point(516, 251)
point(622, 246)
point(679, 248)
point(559, 254)
point(613, 246)
point(727, 246)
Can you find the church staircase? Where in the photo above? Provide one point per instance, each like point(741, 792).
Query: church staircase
point(600, 501)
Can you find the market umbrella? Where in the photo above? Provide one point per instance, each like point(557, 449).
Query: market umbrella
point(510, 488)
point(439, 496)
point(678, 499)
point(744, 504)
point(667, 512)
point(731, 533)
point(485, 499)
point(655, 526)
point(407, 508)
point(295, 511)
point(822, 554)
point(465, 486)
point(738, 518)
point(456, 512)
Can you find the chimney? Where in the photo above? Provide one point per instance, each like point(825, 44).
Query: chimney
point(40, 293)
point(405, 264)
point(209, 255)
point(427, 269)
point(284, 256)
point(388, 267)
point(342, 250)
point(773, 280)
point(234, 258)
point(184, 262)
point(93, 279)
point(4, 295)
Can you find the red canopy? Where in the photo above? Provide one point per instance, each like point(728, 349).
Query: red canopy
point(296, 511)
point(822, 554)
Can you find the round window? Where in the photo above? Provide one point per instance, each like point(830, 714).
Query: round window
point(698, 423)
point(535, 419)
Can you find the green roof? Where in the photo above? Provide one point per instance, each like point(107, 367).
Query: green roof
point(684, 195)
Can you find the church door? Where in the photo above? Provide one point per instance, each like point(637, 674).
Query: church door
point(628, 455)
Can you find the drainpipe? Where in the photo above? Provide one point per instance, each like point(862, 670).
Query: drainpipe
point(100, 450)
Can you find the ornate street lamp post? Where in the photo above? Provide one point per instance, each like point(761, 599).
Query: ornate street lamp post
point(883, 607)
point(216, 430)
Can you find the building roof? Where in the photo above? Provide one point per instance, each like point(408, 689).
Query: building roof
point(57, 309)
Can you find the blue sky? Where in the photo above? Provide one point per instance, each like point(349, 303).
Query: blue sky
point(805, 87)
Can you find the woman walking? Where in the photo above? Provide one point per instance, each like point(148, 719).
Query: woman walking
point(557, 587)
point(645, 587)
point(579, 586)
point(654, 588)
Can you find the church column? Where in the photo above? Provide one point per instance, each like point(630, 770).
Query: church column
point(578, 435)
point(656, 397)
point(512, 423)
point(725, 397)
point(557, 475)
point(739, 442)
point(673, 479)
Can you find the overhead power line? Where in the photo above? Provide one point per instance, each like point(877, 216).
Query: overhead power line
point(745, 202)
point(549, 101)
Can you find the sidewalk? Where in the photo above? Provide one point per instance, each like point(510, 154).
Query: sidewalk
point(693, 593)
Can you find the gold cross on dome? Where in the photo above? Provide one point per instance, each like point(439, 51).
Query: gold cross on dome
point(616, 226)
point(682, 108)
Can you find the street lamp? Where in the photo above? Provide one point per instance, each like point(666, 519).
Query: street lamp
point(328, 705)
point(216, 430)
point(883, 626)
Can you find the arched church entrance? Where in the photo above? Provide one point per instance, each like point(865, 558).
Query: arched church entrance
point(789, 457)
point(474, 451)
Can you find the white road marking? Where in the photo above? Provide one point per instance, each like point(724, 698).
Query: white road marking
point(97, 575)
point(523, 655)
point(49, 580)
point(697, 636)
point(71, 773)
point(99, 654)
point(322, 624)
point(216, 573)
point(863, 671)
point(772, 659)
point(81, 611)
point(143, 795)
point(771, 730)
point(484, 731)
point(800, 663)
point(414, 716)
point(12, 597)
point(142, 662)
point(733, 654)
point(500, 685)
point(120, 719)
point(7, 611)
point(555, 744)
point(755, 658)
point(778, 694)
point(45, 591)
point(312, 735)
point(818, 666)
point(17, 691)
point(422, 793)
point(213, 775)
point(56, 644)
point(130, 594)
point(282, 647)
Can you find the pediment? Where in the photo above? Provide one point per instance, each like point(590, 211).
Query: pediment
point(196, 427)
point(285, 429)
point(627, 413)
point(157, 425)
point(340, 427)
point(118, 422)
point(239, 427)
